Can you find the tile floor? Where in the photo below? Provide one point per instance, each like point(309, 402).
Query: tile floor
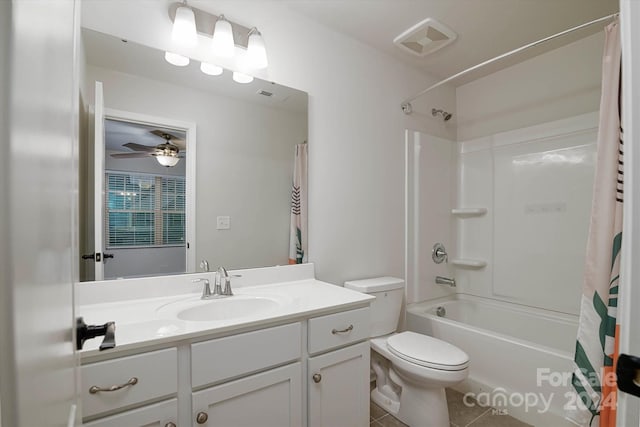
point(460, 415)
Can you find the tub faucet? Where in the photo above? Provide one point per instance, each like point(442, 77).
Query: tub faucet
point(445, 281)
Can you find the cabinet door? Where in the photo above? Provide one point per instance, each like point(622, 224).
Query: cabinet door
point(339, 388)
point(269, 399)
point(162, 414)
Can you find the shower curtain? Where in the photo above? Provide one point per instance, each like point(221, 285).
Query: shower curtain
point(596, 351)
point(298, 227)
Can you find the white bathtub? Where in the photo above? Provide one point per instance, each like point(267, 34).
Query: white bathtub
point(520, 356)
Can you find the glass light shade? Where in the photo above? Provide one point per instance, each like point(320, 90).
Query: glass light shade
point(184, 32)
point(241, 77)
point(210, 69)
point(222, 43)
point(175, 59)
point(168, 161)
point(256, 51)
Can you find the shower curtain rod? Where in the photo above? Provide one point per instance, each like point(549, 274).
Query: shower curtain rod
point(406, 104)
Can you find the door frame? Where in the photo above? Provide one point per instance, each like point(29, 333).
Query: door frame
point(190, 170)
point(629, 316)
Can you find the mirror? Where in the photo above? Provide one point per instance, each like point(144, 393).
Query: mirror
point(246, 136)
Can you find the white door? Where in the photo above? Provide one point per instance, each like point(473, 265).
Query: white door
point(38, 212)
point(98, 183)
point(334, 376)
point(628, 403)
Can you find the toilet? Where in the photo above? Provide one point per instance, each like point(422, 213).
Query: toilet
point(411, 369)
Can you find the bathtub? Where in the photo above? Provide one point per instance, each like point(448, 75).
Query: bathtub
point(520, 357)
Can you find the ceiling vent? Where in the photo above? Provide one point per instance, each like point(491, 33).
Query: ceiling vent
point(425, 37)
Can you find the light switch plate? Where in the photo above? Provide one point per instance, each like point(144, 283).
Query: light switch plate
point(223, 222)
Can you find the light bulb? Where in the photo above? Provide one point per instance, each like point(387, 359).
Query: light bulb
point(210, 69)
point(175, 59)
point(256, 51)
point(222, 43)
point(184, 32)
point(241, 77)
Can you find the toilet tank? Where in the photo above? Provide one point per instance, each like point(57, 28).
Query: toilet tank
point(385, 309)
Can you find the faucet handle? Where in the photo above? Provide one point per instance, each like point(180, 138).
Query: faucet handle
point(206, 290)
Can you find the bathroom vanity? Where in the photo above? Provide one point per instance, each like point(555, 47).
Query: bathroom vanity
point(285, 350)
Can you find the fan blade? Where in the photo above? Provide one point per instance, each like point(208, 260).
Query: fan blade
point(139, 147)
point(161, 134)
point(130, 155)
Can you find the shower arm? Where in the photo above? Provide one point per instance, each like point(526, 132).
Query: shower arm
point(406, 104)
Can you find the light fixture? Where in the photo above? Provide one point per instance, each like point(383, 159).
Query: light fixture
point(175, 59)
point(184, 32)
point(210, 69)
point(236, 46)
point(168, 160)
point(222, 43)
point(239, 77)
point(256, 51)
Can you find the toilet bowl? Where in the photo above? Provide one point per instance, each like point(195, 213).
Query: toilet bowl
point(411, 369)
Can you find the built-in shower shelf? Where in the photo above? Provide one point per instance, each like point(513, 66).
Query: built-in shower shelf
point(468, 212)
point(469, 263)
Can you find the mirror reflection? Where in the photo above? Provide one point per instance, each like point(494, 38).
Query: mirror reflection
point(238, 188)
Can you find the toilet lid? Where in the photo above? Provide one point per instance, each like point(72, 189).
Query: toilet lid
point(427, 351)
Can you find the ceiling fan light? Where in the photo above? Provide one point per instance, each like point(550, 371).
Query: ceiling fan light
point(168, 161)
point(241, 77)
point(256, 51)
point(176, 59)
point(210, 69)
point(222, 43)
point(184, 32)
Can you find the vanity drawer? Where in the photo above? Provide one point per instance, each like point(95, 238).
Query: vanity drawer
point(155, 375)
point(220, 359)
point(339, 329)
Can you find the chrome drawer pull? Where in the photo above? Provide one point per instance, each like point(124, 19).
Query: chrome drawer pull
point(95, 389)
point(342, 331)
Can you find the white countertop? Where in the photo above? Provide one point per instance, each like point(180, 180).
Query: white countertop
point(143, 322)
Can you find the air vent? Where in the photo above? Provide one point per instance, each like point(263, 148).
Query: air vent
point(425, 37)
point(265, 93)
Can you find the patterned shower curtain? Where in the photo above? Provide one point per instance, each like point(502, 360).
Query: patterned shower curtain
point(298, 228)
point(597, 343)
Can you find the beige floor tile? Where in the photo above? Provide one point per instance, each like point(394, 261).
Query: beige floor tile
point(390, 421)
point(376, 412)
point(461, 414)
point(493, 420)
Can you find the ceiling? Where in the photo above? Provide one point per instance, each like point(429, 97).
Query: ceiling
point(485, 28)
point(118, 133)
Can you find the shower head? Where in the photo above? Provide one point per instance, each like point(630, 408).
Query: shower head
point(445, 116)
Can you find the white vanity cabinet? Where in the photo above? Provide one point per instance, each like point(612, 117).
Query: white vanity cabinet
point(311, 372)
point(338, 387)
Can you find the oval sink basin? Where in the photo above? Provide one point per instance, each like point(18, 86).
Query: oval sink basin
point(221, 309)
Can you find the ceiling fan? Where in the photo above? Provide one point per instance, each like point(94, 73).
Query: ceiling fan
point(166, 153)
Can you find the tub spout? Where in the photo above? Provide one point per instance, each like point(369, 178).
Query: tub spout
point(445, 281)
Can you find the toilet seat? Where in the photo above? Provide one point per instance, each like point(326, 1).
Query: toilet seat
point(427, 351)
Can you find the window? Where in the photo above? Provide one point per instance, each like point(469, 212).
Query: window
point(144, 210)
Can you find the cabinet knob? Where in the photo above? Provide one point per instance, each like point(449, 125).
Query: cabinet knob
point(170, 424)
point(202, 417)
point(317, 378)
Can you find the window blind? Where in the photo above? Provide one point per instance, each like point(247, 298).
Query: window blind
point(144, 210)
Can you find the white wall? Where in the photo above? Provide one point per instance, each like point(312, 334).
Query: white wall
point(244, 164)
point(562, 83)
point(356, 127)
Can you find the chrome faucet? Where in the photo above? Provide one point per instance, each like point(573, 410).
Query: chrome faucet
point(204, 265)
point(220, 276)
point(206, 290)
point(446, 281)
